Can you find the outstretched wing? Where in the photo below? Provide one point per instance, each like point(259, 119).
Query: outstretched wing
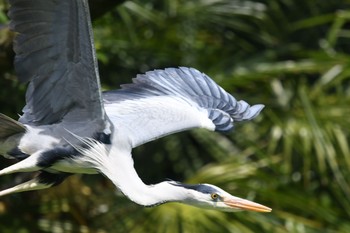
point(162, 102)
point(55, 53)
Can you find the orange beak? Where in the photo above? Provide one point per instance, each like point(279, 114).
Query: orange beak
point(243, 204)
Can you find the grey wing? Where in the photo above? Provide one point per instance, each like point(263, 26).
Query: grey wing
point(55, 54)
point(162, 102)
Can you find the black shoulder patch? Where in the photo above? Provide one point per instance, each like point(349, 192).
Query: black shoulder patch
point(49, 157)
point(52, 179)
point(103, 138)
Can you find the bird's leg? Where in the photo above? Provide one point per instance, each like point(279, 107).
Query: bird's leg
point(42, 181)
point(32, 184)
point(29, 164)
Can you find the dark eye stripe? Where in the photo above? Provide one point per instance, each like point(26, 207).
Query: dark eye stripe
point(197, 187)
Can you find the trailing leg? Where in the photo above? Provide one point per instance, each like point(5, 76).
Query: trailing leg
point(42, 181)
point(29, 164)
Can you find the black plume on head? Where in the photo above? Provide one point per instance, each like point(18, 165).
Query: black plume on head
point(202, 188)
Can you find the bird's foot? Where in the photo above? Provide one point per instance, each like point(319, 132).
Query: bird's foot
point(26, 165)
point(33, 184)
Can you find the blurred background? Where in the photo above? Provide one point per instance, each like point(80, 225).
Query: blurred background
point(293, 56)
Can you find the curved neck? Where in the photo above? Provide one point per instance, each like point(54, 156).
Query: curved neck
point(118, 166)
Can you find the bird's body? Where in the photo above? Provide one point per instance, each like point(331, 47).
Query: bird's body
point(69, 126)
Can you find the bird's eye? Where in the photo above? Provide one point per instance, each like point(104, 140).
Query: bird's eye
point(214, 196)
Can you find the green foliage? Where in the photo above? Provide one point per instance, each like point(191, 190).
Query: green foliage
point(291, 56)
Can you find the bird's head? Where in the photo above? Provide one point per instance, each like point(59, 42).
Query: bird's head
point(211, 197)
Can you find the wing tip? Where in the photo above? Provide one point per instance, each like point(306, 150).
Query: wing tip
point(254, 111)
point(224, 122)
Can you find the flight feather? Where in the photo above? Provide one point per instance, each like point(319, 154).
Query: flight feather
point(55, 54)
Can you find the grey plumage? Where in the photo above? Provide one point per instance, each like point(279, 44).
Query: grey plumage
point(190, 85)
point(9, 127)
point(55, 52)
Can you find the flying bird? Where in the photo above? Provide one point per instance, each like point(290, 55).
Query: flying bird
point(69, 126)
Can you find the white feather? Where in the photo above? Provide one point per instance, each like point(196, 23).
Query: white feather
point(146, 119)
point(34, 140)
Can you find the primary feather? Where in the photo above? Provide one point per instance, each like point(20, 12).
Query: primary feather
point(55, 54)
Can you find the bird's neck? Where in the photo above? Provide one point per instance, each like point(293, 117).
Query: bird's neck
point(119, 168)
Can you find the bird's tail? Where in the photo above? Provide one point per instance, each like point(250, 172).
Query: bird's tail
point(10, 133)
point(9, 127)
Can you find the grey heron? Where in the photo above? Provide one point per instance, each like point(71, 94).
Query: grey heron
point(69, 126)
